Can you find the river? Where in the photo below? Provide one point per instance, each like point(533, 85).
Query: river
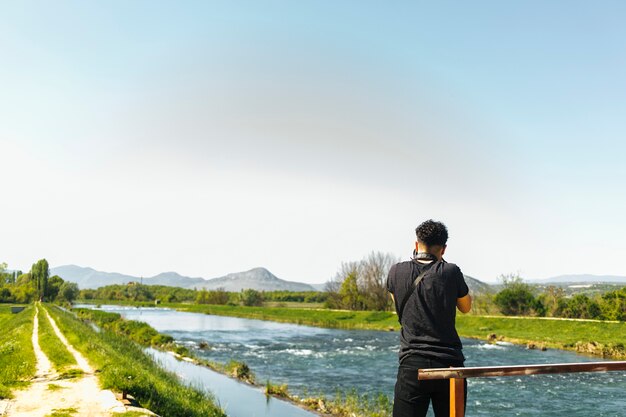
point(314, 360)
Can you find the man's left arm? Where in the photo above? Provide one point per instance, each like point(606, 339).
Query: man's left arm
point(464, 304)
point(389, 283)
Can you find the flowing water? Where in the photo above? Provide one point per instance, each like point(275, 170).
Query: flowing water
point(321, 361)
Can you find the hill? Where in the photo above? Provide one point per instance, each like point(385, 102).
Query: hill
point(258, 279)
point(478, 287)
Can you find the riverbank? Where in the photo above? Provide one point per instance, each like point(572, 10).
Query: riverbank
point(599, 338)
point(341, 405)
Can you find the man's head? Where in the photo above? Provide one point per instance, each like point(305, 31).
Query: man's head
point(432, 237)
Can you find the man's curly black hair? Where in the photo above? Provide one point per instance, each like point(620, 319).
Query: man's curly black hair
point(432, 233)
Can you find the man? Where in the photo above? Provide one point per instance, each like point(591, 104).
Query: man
point(426, 292)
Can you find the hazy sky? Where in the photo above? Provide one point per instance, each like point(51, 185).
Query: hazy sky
point(213, 137)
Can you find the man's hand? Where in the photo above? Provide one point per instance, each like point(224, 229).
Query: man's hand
point(464, 304)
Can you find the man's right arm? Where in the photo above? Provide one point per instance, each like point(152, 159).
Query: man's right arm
point(464, 300)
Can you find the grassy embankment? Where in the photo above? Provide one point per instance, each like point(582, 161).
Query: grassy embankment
point(123, 366)
point(607, 339)
point(17, 358)
point(55, 350)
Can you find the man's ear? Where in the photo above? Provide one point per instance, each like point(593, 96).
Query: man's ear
point(443, 249)
point(417, 248)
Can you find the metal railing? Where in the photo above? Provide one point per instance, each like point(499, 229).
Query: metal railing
point(457, 375)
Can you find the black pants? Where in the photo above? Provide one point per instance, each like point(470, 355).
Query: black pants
point(412, 397)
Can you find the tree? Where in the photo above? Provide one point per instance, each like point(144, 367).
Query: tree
point(5, 295)
point(68, 291)
point(517, 298)
point(5, 277)
point(551, 299)
point(361, 285)
point(373, 280)
point(217, 296)
point(580, 307)
point(40, 273)
point(349, 293)
point(614, 305)
point(250, 297)
point(54, 286)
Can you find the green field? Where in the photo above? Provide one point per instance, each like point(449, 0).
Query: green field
point(609, 337)
point(17, 358)
point(367, 320)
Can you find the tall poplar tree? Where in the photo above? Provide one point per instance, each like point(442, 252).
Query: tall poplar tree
point(40, 273)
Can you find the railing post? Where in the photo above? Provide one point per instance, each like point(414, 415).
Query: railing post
point(457, 397)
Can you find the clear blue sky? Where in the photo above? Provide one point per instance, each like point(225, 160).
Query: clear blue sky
point(211, 137)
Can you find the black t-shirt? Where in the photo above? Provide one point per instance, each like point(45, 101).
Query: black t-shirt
point(428, 320)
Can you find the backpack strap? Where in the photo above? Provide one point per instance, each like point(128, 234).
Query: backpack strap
point(411, 292)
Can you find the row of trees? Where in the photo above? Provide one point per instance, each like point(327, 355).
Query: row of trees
point(518, 298)
point(134, 291)
point(37, 284)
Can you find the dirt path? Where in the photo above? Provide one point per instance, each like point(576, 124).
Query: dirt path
point(81, 396)
point(43, 366)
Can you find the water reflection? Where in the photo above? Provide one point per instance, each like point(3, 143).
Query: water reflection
point(238, 400)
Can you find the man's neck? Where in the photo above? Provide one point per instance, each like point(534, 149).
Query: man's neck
point(426, 257)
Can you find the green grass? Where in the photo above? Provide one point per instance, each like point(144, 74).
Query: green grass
point(52, 346)
point(123, 366)
point(293, 304)
point(5, 309)
point(17, 357)
point(63, 412)
point(54, 387)
point(71, 374)
point(367, 320)
point(137, 331)
point(349, 404)
point(277, 390)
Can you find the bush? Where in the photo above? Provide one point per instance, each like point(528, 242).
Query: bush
point(517, 298)
point(579, 306)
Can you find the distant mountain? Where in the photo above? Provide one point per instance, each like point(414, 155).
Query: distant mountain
point(259, 279)
point(582, 278)
point(319, 287)
point(478, 287)
point(90, 278)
